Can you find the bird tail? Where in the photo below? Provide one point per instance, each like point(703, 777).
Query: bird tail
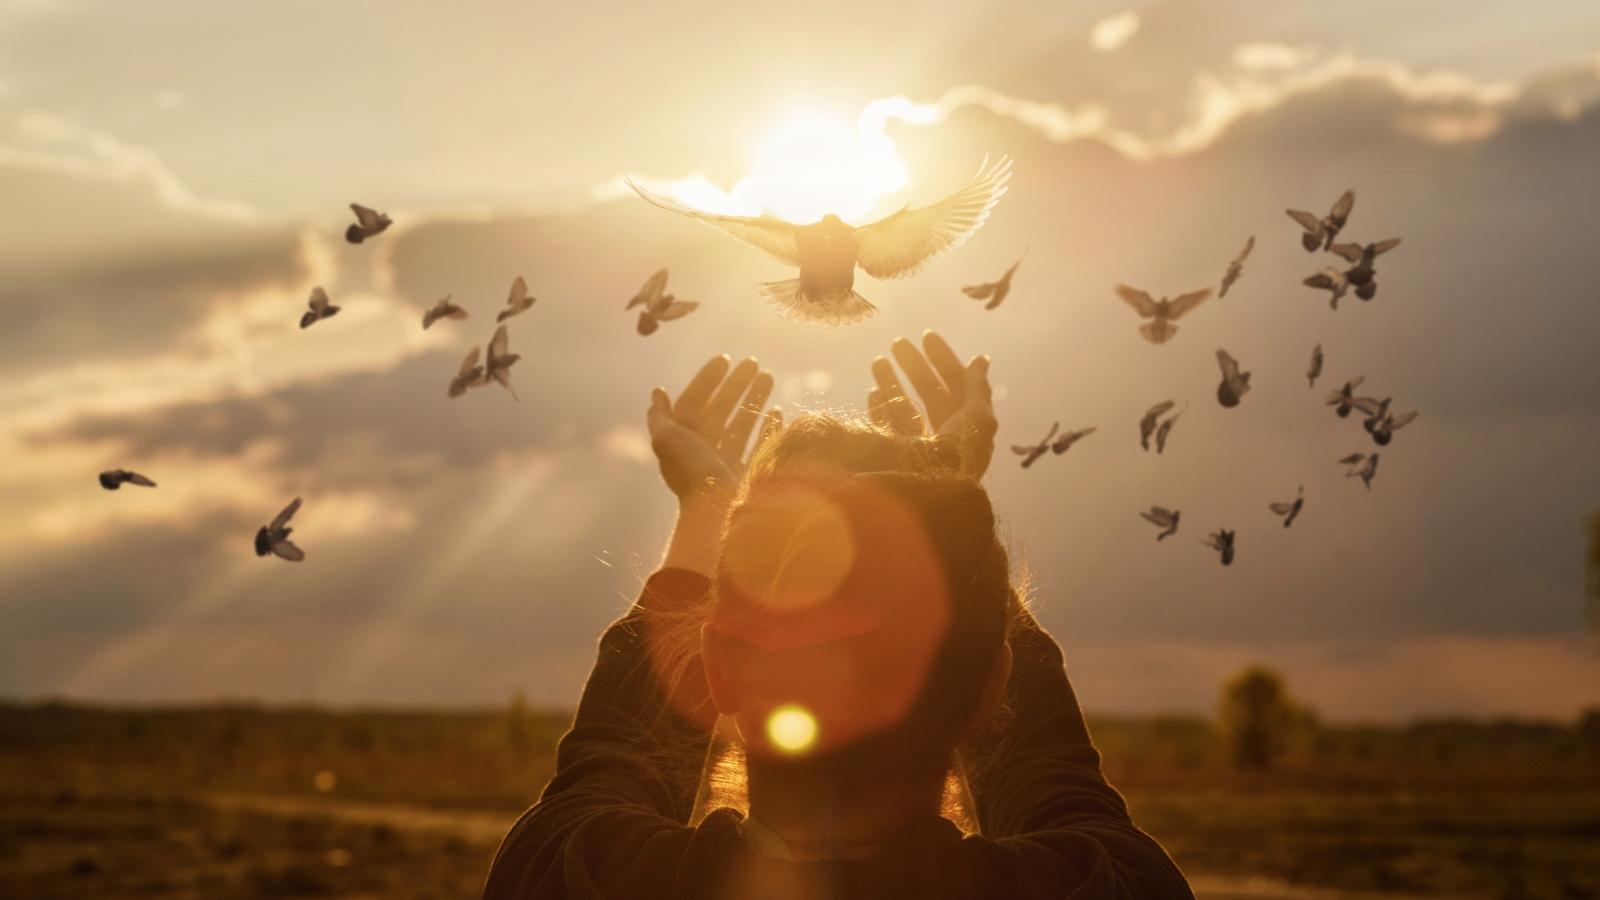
point(1158, 331)
point(839, 307)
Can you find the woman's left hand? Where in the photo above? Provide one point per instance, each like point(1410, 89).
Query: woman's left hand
point(701, 439)
point(957, 401)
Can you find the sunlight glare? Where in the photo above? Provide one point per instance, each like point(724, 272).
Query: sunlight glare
point(792, 729)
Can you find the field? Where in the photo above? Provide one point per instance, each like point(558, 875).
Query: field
point(241, 801)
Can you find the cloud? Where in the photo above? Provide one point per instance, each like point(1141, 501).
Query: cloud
point(1267, 55)
point(1111, 32)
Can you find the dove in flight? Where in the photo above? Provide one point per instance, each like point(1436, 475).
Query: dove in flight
point(369, 223)
point(994, 291)
point(500, 359)
point(1221, 540)
point(444, 309)
point(1380, 422)
point(1320, 232)
point(116, 478)
point(1362, 466)
point(1315, 371)
point(1375, 410)
point(1147, 425)
point(1345, 398)
point(658, 306)
point(1363, 273)
point(1030, 453)
point(517, 301)
point(1064, 443)
point(1235, 384)
point(1167, 519)
point(1291, 509)
point(1236, 268)
point(469, 376)
point(317, 308)
point(827, 252)
point(1166, 429)
point(274, 537)
point(1331, 280)
point(1161, 313)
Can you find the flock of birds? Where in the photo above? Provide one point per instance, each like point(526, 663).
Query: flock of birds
point(828, 252)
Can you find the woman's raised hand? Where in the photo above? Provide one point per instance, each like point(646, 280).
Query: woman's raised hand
point(956, 398)
point(702, 439)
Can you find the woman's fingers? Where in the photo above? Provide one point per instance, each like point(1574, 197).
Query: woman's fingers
point(689, 409)
point(902, 414)
point(945, 362)
point(737, 434)
point(659, 415)
point(936, 398)
point(714, 419)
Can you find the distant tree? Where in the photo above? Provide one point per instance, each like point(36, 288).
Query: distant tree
point(1257, 717)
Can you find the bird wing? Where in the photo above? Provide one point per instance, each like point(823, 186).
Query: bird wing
point(1142, 303)
point(1383, 247)
point(1319, 280)
point(319, 299)
point(1399, 421)
point(650, 294)
point(142, 481)
point(287, 550)
point(897, 246)
point(1351, 252)
point(1157, 516)
point(469, 364)
point(1342, 206)
point(980, 291)
point(1248, 246)
point(773, 235)
point(1366, 404)
point(1023, 450)
point(1186, 303)
point(518, 292)
point(1230, 366)
point(287, 514)
point(1307, 220)
point(1281, 509)
point(499, 344)
point(677, 310)
point(368, 218)
point(1352, 459)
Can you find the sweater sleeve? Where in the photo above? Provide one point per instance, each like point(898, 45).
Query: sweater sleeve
point(630, 762)
point(1037, 785)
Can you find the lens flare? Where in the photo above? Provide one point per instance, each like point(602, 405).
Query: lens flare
point(792, 729)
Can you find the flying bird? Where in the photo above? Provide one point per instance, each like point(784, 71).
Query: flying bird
point(1319, 233)
point(1383, 426)
point(1165, 518)
point(518, 301)
point(1331, 280)
point(274, 537)
point(1315, 372)
point(1164, 430)
point(1374, 410)
point(994, 291)
point(1362, 466)
point(369, 223)
point(500, 360)
point(1236, 268)
point(116, 478)
point(1362, 273)
point(1221, 540)
point(1030, 453)
point(658, 306)
point(1235, 384)
point(1064, 443)
point(1161, 313)
point(1147, 425)
point(470, 375)
point(1345, 398)
point(827, 252)
point(444, 309)
point(318, 308)
point(1291, 509)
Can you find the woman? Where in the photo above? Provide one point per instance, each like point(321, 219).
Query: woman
point(842, 598)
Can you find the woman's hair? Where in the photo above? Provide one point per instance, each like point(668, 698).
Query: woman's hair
point(922, 477)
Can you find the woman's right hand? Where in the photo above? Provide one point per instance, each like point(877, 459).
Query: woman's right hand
point(957, 400)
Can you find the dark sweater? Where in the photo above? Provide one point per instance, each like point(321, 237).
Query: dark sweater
point(611, 823)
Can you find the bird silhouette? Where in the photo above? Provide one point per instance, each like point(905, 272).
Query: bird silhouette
point(499, 360)
point(658, 306)
point(1315, 371)
point(274, 537)
point(1167, 519)
point(469, 376)
point(1382, 424)
point(1235, 384)
point(1345, 397)
point(994, 291)
point(1362, 466)
point(1320, 232)
point(317, 308)
point(369, 223)
point(1291, 509)
point(1064, 443)
point(1161, 313)
point(1363, 273)
point(1030, 453)
point(1147, 425)
point(1236, 268)
point(1166, 429)
point(827, 252)
point(517, 301)
point(444, 309)
point(116, 478)
point(1221, 540)
point(1331, 280)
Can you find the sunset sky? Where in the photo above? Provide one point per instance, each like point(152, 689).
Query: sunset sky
point(174, 179)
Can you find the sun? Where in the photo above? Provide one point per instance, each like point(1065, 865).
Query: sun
point(812, 165)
